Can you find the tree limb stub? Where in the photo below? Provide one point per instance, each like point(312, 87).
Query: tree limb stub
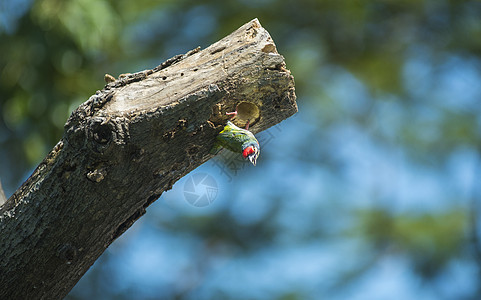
point(126, 145)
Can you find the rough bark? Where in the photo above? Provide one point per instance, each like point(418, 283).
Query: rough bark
point(126, 145)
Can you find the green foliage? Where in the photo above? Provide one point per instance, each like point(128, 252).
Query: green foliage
point(430, 241)
point(92, 25)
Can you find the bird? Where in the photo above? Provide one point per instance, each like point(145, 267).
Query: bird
point(237, 140)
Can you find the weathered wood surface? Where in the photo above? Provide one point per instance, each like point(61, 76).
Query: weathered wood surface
point(126, 145)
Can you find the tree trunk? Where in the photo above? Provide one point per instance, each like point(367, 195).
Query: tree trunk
point(126, 145)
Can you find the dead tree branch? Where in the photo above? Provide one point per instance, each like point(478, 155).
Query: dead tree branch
point(124, 147)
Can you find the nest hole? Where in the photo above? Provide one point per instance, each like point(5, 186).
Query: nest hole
point(247, 112)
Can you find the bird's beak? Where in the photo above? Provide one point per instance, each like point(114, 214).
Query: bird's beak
point(253, 159)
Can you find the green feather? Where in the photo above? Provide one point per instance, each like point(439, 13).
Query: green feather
point(234, 138)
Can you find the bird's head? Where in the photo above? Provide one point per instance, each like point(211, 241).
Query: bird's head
point(251, 153)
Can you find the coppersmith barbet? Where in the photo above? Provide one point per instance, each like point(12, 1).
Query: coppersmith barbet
point(238, 140)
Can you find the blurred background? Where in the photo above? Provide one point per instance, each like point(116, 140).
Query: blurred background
point(371, 191)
